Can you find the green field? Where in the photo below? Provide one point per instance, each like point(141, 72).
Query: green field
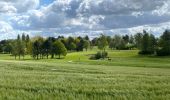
point(128, 76)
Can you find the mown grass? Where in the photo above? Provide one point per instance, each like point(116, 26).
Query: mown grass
point(49, 81)
point(128, 58)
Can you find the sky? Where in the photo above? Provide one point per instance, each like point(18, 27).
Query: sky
point(82, 17)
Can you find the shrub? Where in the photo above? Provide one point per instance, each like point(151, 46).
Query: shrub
point(99, 55)
point(145, 52)
point(162, 53)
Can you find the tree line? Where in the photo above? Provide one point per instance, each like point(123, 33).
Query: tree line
point(51, 47)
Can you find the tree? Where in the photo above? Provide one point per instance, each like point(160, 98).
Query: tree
point(112, 44)
point(36, 49)
point(102, 43)
point(131, 39)
point(59, 48)
point(72, 46)
point(86, 38)
point(20, 49)
point(138, 40)
point(27, 44)
point(146, 44)
point(117, 41)
point(80, 45)
point(23, 37)
point(14, 50)
point(109, 39)
point(126, 38)
point(164, 44)
point(152, 44)
point(86, 44)
point(46, 46)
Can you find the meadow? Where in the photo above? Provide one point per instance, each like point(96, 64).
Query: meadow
point(128, 76)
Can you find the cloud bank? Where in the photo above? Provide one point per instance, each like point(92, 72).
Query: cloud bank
point(83, 17)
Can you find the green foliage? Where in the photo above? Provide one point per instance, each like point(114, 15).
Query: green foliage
point(138, 40)
point(148, 45)
point(99, 55)
point(72, 46)
point(59, 48)
point(164, 44)
point(86, 44)
point(102, 42)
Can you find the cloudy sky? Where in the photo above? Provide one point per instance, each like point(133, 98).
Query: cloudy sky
point(82, 17)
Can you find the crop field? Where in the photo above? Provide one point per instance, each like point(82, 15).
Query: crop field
point(127, 76)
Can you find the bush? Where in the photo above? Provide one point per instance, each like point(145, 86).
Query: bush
point(146, 52)
point(162, 53)
point(99, 55)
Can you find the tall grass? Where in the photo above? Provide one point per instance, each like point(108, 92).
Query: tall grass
point(20, 80)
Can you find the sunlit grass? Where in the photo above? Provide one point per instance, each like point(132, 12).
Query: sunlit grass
point(44, 80)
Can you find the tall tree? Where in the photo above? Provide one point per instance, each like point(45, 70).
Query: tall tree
point(102, 43)
point(152, 44)
point(86, 44)
point(145, 45)
point(59, 49)
point(23, 37)
point(138, 40)
point(164, 44)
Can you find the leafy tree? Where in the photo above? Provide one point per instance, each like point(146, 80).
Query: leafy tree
point(36, 49)
point(109, 39)
point(138, 40)
point(117, 41)
point(86, 44)
point(145, 45)
point(20, 48)
point(131, 39)
point(86, 38)
point(14, 50)
point(102, 42)
point(80, 45)
point(72, 46)
point(46, 46)
point(59, 49)
point(112, 44)
point(164, 44)
point(152, 44)
point(126, 38)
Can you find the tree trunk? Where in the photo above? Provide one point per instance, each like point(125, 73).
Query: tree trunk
point(52, 56)
point(37, 57)
point(47, 56)
point(19, 56)
point(59, 56)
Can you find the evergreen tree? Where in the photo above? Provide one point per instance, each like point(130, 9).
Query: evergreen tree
point(164, 44)
point(138, 40)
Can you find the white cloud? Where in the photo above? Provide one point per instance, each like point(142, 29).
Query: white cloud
point(17, 6)
point(85, 16)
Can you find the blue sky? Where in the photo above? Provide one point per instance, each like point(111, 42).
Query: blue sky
point(45, 2)
point(82, 17)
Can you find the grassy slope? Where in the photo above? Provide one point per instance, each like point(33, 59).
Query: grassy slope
point(119, 58)
point(35, 80)
point(85, 79)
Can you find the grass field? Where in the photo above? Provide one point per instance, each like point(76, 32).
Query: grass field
point(127, 77)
